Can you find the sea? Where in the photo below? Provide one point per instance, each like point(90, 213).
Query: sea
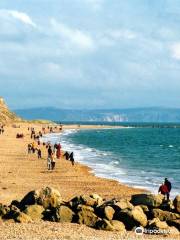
point(139, 155)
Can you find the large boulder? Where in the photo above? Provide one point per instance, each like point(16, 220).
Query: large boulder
point(164, 215)
point(47, 197)
point(64, 214)
point(155, 223)
point(3, 210)
point(93, 200)
point(175, 223)
point(177, 203)
point(88, 200)
point(23, 218)
point(12, 213)
point(99, 200)
point(87, 216)
point(123, 204)
point(105, 212)
point(131, 218)
point(113, 225)
point(149, 200)
point(35, 212)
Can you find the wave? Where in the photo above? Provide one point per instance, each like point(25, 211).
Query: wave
point(106, 164)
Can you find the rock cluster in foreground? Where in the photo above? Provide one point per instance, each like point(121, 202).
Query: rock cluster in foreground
point(143, 210)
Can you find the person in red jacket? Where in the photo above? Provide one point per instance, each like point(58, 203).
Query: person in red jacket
point(164, 191)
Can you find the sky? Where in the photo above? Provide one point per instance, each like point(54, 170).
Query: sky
point(81, 54)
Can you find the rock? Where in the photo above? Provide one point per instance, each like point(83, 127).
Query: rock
point(167, 206)
point(123, 204)
point(23, 218)
point(15, 203)
point(47, 197)
point(73, 203)
point(84, 207)
point(149, 200)
point(132, 218)
point(139, 216)
point(175, 223)
point(12, 213)
point(155, 223)
point(113, 225)
point(87, 216)
point(88, 201)
point(109, 212)
point(99, 200)
point(65, 214)
point(176, 203)
point(3, 210)
point(144, 208)
point(164, 215)
point(105, 212)
point(104, 224)
point(35, 212)
point(173, 231)
point(118, 226)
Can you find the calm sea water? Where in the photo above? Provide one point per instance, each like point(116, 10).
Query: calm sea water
point(139, 157)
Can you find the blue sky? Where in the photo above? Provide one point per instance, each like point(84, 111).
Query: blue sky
point(90, 53)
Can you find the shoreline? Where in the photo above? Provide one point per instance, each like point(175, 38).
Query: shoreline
point(86, 164)
point(22, 173)
point(16, 166)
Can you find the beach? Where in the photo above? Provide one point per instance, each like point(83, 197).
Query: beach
point(22, 173)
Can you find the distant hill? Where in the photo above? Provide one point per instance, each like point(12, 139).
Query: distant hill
point(154, 114)
point(6, 116)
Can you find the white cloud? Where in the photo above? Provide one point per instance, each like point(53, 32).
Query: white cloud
point(96, 4)
point(119, 34)
point(74, 36)
point(175, 50)
point(21, 16)
point(113, 36)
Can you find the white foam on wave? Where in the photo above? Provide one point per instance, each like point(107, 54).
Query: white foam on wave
point(103, 164)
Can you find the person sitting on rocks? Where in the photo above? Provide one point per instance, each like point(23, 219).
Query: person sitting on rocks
point(164, 190)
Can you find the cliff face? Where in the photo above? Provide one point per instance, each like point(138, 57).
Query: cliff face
point(6, 116)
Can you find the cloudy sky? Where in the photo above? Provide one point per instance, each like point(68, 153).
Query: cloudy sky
point(90, 53)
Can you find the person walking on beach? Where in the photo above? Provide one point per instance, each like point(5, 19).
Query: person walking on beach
point(49, 151)
point(66, 155)
point(164, 190)
point(53, 161)
point(29, 148)
point(39, 153)
point(71, 158)
point(58, 153)
point(169, 186)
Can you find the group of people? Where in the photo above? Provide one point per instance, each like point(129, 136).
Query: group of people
point(165, 188)
point(53, 151)
point(69, 156)
point(1, 129)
